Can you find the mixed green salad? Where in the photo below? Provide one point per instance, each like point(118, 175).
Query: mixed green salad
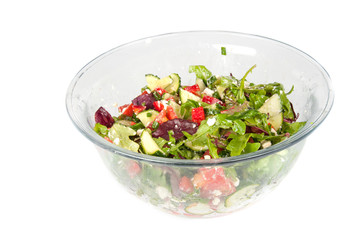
point(217, 117)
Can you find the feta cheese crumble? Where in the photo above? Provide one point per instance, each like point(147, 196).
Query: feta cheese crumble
point(211, 121)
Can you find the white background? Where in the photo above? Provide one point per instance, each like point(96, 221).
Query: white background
point(53, 184)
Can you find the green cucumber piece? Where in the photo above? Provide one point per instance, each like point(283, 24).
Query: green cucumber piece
point(240, 196)
point(185, 95)
point(200, 84)
point(174, 86)
point(147, 116)
point(149, 145)
point(154, 81)
point(176, 107)
point(199, 209)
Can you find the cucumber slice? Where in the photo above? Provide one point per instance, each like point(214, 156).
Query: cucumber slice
point(240, 196)
point(176, 107)
point(199, 209)
point(201, 84)
point(147, 116)
point(149, 145)
point(185, 95)
point(154, 81)
point(174, 86)
point(272, 106)
point(151, 81)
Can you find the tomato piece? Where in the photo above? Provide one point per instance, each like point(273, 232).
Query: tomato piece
point(108, 139)
point(186, 185)
point(126, 109)
point(144, 92)
point(162, 117)
point(217, 187)
point(193, 89)
point(213, 182)
point(171, 113)
point(198, 115)
point(158, 105)
point(160, 90)
point(133, 169)
point(138, 109)
point(212, 100)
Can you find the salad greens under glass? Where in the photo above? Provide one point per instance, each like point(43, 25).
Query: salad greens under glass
point(217, 117)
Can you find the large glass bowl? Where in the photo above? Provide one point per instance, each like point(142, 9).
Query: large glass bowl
point(116, 77)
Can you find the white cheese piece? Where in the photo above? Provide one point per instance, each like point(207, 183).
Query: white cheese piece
point(208, 92)
point(163, 193)
point(211, 121)
point(266, 143)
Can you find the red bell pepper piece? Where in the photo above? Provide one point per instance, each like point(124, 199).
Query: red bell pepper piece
point(170, 113)
point(126, 109)
point(162, 117)
point(138, 109)
point(198, 115)
point(158, 105)
point(193, 89)
point(212, 100)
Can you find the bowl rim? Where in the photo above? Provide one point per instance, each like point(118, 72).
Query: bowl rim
point(299, 136)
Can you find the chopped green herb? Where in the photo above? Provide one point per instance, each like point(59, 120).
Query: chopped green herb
point(223, 51)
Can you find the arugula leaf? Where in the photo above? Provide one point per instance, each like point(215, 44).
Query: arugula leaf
point(161, 142)
point(209, 82)
point(223, 121)
point(212, 149)
point(186, 108)
point(240, 97)
point(286, 105)
point(251, 147)
point(257, 100)
point(137, 126)
point(293, 87)
point(239, 127)
point(227, 81)
point(201, 71)
point(292, 128)
point(237, 144)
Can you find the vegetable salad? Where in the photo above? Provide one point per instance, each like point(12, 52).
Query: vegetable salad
point(217, 117)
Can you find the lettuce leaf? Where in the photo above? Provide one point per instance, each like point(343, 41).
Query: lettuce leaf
point(120, 134)
point(201, 71)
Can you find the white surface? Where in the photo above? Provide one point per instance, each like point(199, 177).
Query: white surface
point(53, 185)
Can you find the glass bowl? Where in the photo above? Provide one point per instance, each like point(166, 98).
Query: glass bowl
point(116, 77)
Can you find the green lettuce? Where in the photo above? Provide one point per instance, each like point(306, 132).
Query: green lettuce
point(201, 72)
